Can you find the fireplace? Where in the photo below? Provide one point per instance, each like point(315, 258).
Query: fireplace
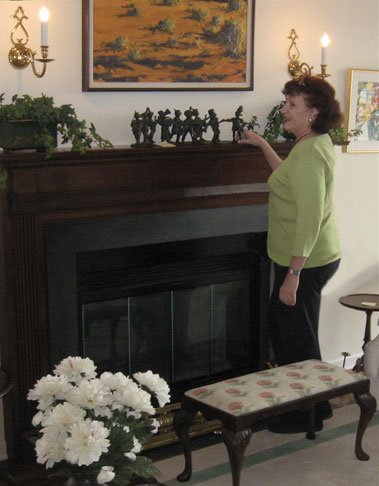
point(189, 310)
point(57, 213)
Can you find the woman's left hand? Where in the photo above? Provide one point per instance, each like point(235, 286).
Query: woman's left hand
point(287, 292)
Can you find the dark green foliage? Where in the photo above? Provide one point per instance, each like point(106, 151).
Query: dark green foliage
point(253, 123)
point(274, 126)
point(339, 134)
point(43, 110)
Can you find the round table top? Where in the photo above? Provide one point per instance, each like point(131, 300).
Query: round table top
point(366, 302)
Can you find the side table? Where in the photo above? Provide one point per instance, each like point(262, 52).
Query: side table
point(363, 302)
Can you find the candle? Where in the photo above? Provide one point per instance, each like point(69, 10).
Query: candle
point(44, 17)
point(324, 43)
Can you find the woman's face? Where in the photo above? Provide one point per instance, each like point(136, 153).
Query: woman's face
point(296, 114)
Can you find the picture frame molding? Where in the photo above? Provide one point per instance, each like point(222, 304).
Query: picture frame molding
point(355, 145)
point(88, 84)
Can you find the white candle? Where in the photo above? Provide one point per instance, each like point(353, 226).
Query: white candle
point(44, 17)
point(324, 43)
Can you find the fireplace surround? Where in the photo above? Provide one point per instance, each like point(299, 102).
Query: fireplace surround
point(196, 190)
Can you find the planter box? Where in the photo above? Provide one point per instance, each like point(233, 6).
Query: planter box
point(24, 134)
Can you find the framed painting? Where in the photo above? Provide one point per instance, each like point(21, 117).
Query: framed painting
point(168, 45)
point(362, 110)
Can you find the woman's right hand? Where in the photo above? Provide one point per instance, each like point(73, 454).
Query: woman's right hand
point(251, 138)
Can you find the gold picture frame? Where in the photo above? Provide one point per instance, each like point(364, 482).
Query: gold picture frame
point(168, 45)
point(362, 110)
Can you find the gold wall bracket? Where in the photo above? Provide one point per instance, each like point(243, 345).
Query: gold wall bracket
point(20, 56)
point(295, 66)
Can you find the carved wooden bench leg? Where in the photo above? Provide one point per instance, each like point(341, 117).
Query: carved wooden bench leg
point(182, 421)
point(236, 443)
point(367, 403)
point(311, 434)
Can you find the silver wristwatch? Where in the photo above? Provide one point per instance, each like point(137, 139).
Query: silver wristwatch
point(292, 271)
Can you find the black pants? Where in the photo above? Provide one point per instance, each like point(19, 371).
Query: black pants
point(293, 330)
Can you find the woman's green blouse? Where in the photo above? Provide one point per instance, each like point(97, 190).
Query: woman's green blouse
point(301, 219)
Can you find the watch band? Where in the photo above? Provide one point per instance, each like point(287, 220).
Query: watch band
point(293, 271)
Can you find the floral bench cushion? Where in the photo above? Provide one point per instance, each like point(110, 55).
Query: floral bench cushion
point(256, 391)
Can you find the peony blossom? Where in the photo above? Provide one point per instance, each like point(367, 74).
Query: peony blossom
point(63, 416)
point(156, 385)
point(92, 394)
point(137, 447)
point(50, 448)
point(79, 416)
point(134, 398)
point(115, 381)
point(105, 475)
point(76, 369)
point(49, 389)
point(87, 442)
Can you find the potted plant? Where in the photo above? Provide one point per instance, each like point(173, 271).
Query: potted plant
point(92, 428)
point(274, 125)
point(340, 137)
point(29, 122)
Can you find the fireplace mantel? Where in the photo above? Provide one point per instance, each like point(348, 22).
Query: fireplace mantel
point(98, 184)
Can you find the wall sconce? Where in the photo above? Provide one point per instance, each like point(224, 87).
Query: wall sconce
point(297, 68)
point(20, 56)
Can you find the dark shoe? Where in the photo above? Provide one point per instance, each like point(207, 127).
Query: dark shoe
point(292, 427)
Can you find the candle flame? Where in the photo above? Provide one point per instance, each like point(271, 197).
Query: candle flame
point(325, 40)
point(44, 14)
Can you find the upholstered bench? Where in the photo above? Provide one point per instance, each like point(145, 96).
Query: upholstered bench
point(241, 402)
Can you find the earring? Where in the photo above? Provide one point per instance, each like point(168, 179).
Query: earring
point(311, 120)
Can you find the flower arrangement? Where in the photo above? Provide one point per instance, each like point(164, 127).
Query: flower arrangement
point(93, 427)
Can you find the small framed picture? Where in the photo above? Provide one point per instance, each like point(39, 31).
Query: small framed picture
point(362, 110)
point(168, 45)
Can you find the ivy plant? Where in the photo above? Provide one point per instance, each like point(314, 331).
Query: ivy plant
point(43, 110)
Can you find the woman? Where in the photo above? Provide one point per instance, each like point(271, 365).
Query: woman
point(302, 236)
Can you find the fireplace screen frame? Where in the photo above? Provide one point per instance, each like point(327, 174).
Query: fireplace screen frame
point(199, 266)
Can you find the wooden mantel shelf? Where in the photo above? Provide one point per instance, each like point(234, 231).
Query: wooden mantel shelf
point(110, 180)
point(100, 183)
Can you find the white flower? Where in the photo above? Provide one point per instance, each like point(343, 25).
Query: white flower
point(49, 389)
point(76, 369)
point(50, 448)
point(105, 475)
point(37, 419)
point(156, 425)
point(92, 394)
point(135, 398)
point(156, 385)
point(63, 416)
point(87, 442)
point(115, 381)
point(137, 447)
point(69, 400)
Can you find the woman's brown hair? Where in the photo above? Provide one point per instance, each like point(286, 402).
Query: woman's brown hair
point(319, 94)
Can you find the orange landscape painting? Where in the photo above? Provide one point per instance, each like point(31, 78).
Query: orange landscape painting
point(170, 43)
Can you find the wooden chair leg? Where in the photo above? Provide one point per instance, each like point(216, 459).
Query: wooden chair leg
point(367, 403)
point(311, 434)
point(182, 421)
point(236, 443)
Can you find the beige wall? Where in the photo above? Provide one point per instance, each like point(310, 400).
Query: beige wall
point(353, 28)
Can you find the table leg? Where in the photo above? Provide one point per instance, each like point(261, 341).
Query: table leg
point(367, 336)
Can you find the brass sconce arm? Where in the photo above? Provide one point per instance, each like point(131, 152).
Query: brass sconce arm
point(297, 68)
point(20, 56)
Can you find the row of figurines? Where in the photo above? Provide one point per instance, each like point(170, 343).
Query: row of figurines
point(176, 130)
